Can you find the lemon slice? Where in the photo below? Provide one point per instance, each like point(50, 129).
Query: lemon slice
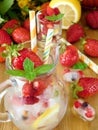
point(48, 117)
point(71, 10)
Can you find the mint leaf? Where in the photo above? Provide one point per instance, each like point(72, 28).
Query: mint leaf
point(29, 72)
point(43, 69)
point(5, 6)
point(28, 65)
point(55, 17)
point(80, 65)
point(16, 72)
point(30, 76)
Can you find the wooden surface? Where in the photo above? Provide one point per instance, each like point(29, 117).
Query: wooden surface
point(70, 121)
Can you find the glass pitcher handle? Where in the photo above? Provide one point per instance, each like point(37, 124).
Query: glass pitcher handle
point(4, 117)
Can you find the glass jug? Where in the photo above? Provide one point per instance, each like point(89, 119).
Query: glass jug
point(43, 108)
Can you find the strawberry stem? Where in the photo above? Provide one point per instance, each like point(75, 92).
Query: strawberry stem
point(75, 89)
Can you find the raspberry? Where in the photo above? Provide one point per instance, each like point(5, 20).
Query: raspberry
point(77, 104)
point(30, 100)
point(89, 113)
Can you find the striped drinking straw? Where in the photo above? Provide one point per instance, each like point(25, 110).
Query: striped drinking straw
point(33, 31)
point(47, 46)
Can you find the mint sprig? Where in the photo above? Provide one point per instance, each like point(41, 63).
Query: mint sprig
point(29, 72)
point(55, 17)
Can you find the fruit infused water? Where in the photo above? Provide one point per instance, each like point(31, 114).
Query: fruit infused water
point(49, 18)
point(37, 98)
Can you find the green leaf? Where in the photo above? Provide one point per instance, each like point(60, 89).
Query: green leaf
point(1, 20)
point(30, 76)
point(75, 89)
point(5, 5)
point(29, 72)
point(16, 72)
point(55, 17)
point(28, 65)
point(43, 69)
point(80, 65)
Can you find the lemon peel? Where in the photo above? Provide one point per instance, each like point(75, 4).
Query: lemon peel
point(50, 115)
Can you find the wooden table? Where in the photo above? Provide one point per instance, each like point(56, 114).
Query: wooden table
point(70, 121)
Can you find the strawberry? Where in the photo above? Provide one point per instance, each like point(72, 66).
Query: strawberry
point(34, 88)
point(30, 100)
point(70, 56)
point(17, 62)
point(44, 5)
point(26, 24)
point(1, 58)
point(10, 25)
point(74, 33)
point(5, 37)
point(50, 11)
point(91, 47)
point(20, 35)
point(86, 87)
point(92, 19)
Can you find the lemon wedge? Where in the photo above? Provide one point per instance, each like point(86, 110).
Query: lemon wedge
point(48, 117)
point(71, 10)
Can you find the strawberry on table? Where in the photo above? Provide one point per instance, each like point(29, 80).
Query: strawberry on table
point(20, 35)
point(10, 25)
point(26, 24)
point(92, 19)
point(91, 47)
point(70, 56)
point(74, 33)
point(4, 37)
point(86, 87)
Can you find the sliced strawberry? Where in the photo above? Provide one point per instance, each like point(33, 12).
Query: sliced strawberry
point(70, 56)
point(5, 37)
point(10, 25)
point(20, 35)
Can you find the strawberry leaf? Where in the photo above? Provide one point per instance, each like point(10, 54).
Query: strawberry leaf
point(55, 17)
point(75, 89)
